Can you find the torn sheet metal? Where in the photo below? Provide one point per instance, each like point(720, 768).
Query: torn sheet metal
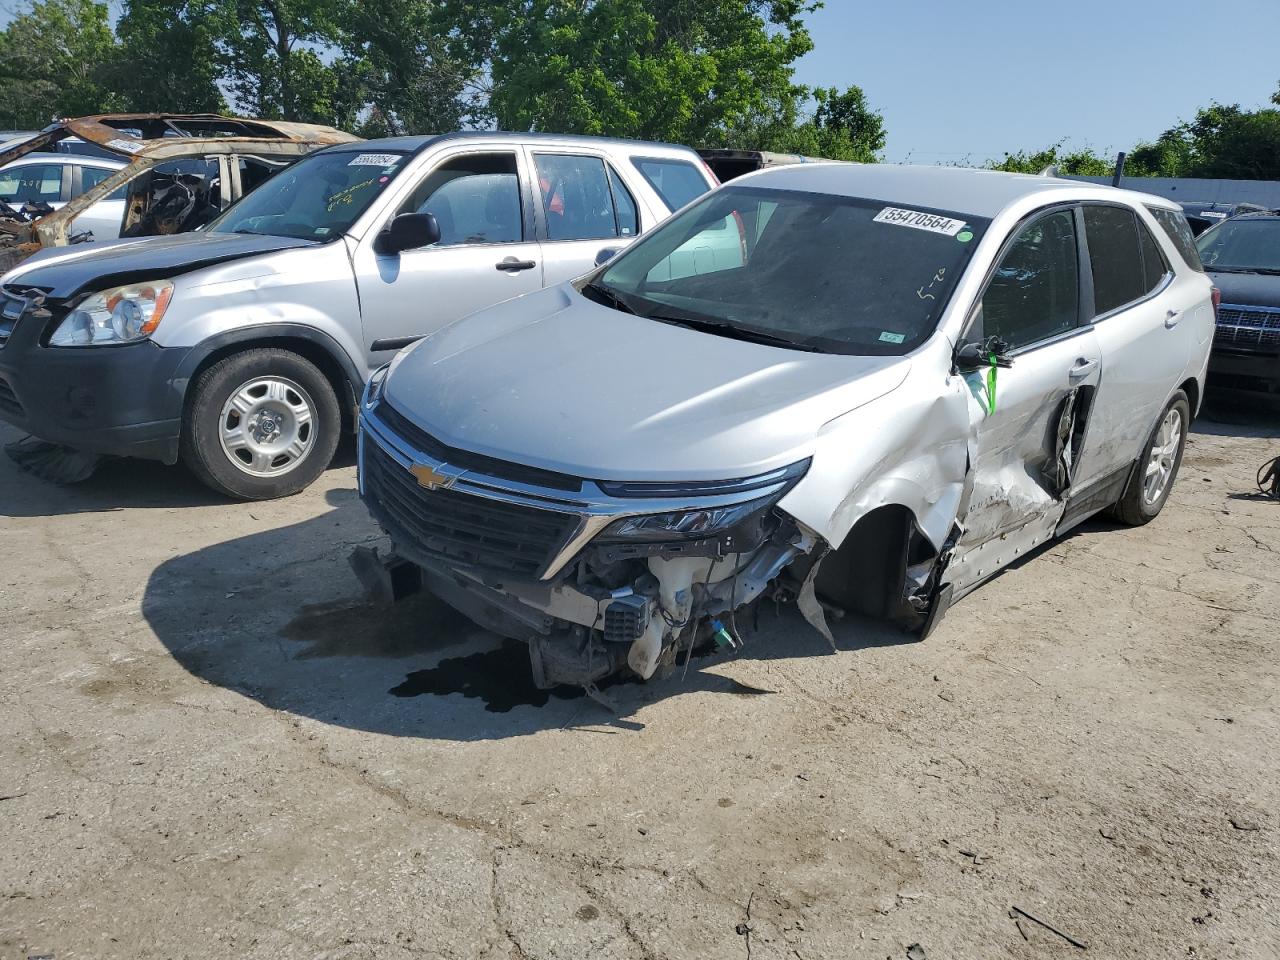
point(145, 140)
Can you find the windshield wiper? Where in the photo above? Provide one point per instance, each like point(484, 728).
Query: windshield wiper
point(1265, 271)
point(723, 328)
point(602, 294)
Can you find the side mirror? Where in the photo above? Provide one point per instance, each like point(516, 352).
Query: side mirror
point(408, 231)
point(605, 255)
point(976, 356)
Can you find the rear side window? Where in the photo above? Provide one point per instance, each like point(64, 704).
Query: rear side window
point(1115, 254)
point(90, 177)
point(578, 199)
point(1175, 225)
point(677, 182)
point(1153, 263)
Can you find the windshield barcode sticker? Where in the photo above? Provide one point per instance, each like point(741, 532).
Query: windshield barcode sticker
point(375, 160)
point(128, 146)
point(919, 220)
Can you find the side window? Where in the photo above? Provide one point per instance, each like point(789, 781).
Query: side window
point(475, 198)
point(255, 172)
point(90, 177)
point(576, 198)
point(1175, 225)
point(1154, 266)
point(624, 206)
point(1035, 292)
point(32, 183)
point(1115, 255)
point(675, 181)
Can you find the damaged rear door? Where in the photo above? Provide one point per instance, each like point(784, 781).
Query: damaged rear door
point(1031, 408)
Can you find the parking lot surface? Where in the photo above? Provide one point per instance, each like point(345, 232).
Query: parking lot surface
point(213, 747)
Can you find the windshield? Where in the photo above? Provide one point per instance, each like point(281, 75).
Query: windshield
point(318, 198)
point(806, 270)
point(1248, 246)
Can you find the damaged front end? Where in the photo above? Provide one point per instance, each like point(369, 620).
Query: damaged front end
point(597, 577)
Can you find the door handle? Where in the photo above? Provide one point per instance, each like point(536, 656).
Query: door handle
point(1171, 318)
point(1082, 368)
point(512, 265)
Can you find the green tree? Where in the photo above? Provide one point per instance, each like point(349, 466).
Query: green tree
point(679, 70)
point(168, 58)
point(1222, 141)
point(55, 59)
point(1082, 161)
point(399, 74)
point(277, 56)
point(842, 127)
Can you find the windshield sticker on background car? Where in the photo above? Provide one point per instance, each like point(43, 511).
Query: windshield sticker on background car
point(964, 236)
point(888, 336)
point(128, 146)
point(375, 160)
point(919, 220)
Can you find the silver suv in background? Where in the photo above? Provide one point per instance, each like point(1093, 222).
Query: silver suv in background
point(242, 348)
point(899, 381)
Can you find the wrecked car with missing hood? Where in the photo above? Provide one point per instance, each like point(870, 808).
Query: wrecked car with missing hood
point(182, 171)
point(893, 383)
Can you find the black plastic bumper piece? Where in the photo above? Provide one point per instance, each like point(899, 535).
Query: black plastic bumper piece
point(115, 400)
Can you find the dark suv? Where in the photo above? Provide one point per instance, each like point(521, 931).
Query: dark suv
point(1242, 255)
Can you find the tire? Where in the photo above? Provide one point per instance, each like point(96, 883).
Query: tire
point(260, 424)
point(1154, 474)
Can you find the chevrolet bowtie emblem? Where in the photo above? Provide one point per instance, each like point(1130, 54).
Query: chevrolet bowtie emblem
point(431, 477)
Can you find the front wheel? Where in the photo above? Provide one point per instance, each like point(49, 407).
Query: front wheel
point(261, 424)
point(1153, 475)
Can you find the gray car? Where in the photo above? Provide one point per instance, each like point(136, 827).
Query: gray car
point(55, 179)
point(242, 348)
point(895, 382)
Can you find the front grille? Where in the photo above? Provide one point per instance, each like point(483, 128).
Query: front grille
point(460, 528)
point(8, 399)
point(1246, 327)
point(419, 439)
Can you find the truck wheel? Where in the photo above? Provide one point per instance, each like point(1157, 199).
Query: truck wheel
point(260, 424)
point(1153, 475)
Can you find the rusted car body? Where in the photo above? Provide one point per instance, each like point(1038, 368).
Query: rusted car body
point(229, 156)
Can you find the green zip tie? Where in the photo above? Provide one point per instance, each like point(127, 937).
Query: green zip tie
point(991, 386)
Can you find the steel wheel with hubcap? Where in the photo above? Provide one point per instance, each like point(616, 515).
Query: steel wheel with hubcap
point(261, 424)
point(266, 426)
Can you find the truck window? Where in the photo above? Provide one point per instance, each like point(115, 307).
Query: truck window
point(675, 181)
point(581, 200)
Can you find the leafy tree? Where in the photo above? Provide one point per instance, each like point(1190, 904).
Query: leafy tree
point(271, 52)
point(1222, 141)
point(399, 72)
point(168, 56)
point(679, 70)
point(1083, 161)
point(54, 61)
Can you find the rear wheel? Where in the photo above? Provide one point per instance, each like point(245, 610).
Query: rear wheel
point(1153, 475)
point(261, 424)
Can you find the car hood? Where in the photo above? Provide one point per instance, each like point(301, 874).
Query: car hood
point(557, 381)
point(1248, 289)
point(66, 271)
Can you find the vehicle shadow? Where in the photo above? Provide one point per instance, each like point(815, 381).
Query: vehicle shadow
point(278, 617)
point(1232, 417)
point(119, 483)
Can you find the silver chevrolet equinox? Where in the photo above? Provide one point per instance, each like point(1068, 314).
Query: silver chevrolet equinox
point(863, 386)
point(242, 348)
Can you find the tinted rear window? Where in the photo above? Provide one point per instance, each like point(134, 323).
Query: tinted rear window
point(1115, 256)
point(1153, 262)
point(676, 181)
point(1175, 225)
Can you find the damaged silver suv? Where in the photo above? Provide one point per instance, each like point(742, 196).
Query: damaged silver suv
point(864, 386)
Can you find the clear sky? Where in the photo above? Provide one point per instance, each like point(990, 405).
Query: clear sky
point(959, 79)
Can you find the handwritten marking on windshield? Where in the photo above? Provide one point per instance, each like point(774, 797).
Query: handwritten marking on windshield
point(345, 196)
